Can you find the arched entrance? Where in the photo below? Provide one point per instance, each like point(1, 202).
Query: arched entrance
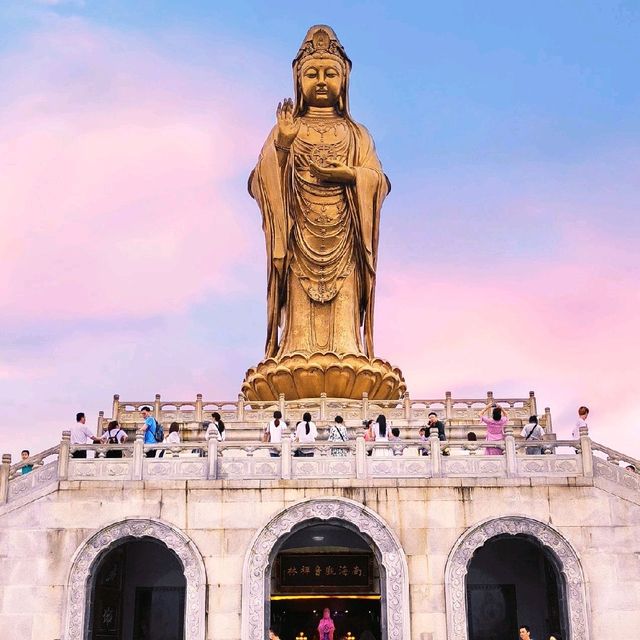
point(358, 523)
point(129, 569)
point(510, 571)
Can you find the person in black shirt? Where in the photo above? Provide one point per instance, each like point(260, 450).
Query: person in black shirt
point(434, 423)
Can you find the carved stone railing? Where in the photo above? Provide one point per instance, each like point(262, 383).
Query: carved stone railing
point(289, 460)
point(243, 418)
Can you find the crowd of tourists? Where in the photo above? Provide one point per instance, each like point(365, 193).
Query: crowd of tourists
point(382, 439)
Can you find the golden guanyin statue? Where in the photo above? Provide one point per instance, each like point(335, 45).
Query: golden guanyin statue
point(320, 186)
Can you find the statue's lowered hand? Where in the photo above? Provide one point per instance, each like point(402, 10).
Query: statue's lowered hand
point(337, 172)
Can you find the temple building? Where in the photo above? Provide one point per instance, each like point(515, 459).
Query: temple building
point(406, 540)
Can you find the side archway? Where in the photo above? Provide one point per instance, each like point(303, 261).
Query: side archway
point(97, 545)
point(339, 510)
point(554, 543)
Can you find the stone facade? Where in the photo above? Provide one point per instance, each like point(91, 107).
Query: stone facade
point(424, 531)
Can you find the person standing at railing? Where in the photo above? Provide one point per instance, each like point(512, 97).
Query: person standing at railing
point(216, 429)
point(25, 468)
point(533, 432)
point(274, 431)
point(381, 436)
point(114, 435)
point(583, 414)
point(306, 433)
point(495, 426)
point(434, 423)
point(80, 434)
point(150, 430)
point(338, 433)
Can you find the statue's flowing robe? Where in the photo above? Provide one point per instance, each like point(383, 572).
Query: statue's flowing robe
point(273, 188)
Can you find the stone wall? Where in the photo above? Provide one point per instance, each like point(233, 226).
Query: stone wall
point(39, 540)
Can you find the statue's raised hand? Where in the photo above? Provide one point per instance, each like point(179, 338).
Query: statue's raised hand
point(287, 126)
point(337, 172)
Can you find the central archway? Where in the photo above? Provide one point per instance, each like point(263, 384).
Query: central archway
point(256, 573)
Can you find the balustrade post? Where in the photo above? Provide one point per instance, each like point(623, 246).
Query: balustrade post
point(115, 410)
point(510, 452)
point(240, 412)
point(586, 452)
point(4, 477)
point(199, 408)
point(365, 405)
point(436, 455)
point(138, 455)
point(490, 399)
point(547, 420)
point(212, 454)
point(63, 455)
point(323, 406)
point(282, 404)
point(285, 458)
point(361, 457)
point(156, 407)
point(99, 426)
point(448, 407)
point(407, 405)
point(533, 407)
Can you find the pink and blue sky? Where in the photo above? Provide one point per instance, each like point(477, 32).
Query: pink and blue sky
point(133, 259)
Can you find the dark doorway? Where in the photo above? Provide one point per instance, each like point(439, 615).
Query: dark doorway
point(137, 593)
point(326, 566)
point(511, 581)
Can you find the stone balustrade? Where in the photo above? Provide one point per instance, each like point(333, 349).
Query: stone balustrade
point(289, 460)
point(244, 419)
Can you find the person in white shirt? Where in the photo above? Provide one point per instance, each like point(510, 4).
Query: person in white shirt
point(583, 414)
point(533, 432)
point(174, 434)
point(219, 425)
point(381, 434)
point(80, 434)
point(306, 433)
point(113, 435)
point(275, 430)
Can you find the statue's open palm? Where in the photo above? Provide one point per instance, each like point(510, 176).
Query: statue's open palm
point(288, 127)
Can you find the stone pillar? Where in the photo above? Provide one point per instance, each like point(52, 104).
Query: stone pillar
point(156, 407)
point(4, 477)
point(586, 453)
point(407, 405)
point(138, 455)
point(547, 419)
point(533, 407)
point(199, 408)
point(212, 454)
point(282, 404)
point(99, 429)
point(240, 412)
point(448, 406)
point(323, 406)
point(63, 455)
point(435, 455)
point(285, 458)
point(365, 406)
point(510, 452)
point(361, 457)
point(115, 411)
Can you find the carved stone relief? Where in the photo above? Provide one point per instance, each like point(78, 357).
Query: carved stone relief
point(93, 549)
point(390, 553)
point(553, 542)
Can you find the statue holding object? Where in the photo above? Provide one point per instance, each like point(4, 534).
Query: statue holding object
point(320, 187)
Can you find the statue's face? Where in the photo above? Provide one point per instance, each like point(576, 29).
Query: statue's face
point(321, 83)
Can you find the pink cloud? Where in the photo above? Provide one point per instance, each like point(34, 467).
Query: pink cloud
point(115, 166)
point(565, 328)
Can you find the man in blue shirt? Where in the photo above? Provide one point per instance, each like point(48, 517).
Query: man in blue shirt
point(27, 467)
point(150, 430)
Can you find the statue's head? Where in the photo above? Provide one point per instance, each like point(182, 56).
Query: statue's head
point(321, 72)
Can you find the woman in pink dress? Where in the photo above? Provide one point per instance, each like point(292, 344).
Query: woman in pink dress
point(326, 628)
point(495, 426)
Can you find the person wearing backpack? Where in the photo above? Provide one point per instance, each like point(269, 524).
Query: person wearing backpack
point(114, 435)
point(153, 432)
point(533, 432)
